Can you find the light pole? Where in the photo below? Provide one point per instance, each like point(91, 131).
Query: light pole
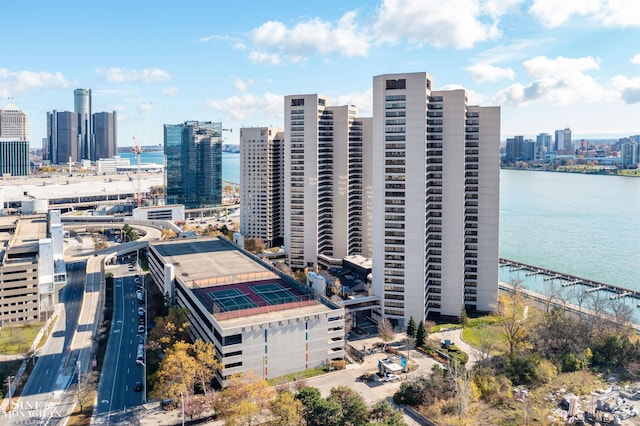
point(9, 378)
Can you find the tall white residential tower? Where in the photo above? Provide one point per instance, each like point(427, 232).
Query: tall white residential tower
point(262, 184)
point(327, 182)
point(436, 199)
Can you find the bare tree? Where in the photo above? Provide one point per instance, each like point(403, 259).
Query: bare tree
point(514, 324)
point(87, 385)
point(385, 332)
point(486, 343)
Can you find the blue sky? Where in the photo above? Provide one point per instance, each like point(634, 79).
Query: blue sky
point(549, 64)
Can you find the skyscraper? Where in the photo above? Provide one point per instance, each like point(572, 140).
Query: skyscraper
point(104, 135)
point(262, 184)
point(82, 106)
point(193, 174)
point(327, 177)
point(14, 141)
point(436, 203)
point(563, 140)
point(63, 143)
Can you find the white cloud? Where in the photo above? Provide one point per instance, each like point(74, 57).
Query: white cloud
point(611, 13)
point(636, 59)
point(363, 100)
point(264, 58)
point(428, 21)
point(15, 82)
point(241, 84)
point(344, 37)
point(486, 72)
point(559, 81)
point(170, 91)
point(245, 106)
point(497, 8)
point(119, 75)
point(629, 88)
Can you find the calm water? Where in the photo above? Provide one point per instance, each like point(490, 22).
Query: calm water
point(583, 225)
point(230, 163)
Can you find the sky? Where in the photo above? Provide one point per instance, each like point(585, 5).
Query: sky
point(549, 64)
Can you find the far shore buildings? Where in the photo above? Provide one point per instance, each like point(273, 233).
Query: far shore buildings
point(258, 318)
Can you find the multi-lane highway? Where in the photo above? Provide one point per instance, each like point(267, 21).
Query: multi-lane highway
point(121, 371)
point(49, 378)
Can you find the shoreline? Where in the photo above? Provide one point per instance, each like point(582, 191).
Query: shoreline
point(577, 172)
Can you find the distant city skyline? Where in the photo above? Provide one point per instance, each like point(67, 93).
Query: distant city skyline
point(547, 65)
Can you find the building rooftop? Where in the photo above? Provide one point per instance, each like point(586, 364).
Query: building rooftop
point(237, 289)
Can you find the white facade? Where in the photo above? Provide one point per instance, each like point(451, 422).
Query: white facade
point(327, 174)
point(173, 212)
point(13, 123)
point(262, 184)
point(111, 165)
point(435, 212)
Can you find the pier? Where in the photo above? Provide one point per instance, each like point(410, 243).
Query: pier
point(619, 292)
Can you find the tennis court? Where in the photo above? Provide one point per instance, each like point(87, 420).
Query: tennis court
point(231, 300)
point(274, 294)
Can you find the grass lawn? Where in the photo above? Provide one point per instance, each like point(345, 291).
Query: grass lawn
point(312, 372)
point(17, 339)
point(439, 327)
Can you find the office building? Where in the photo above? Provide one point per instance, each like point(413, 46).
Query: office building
point(327, 174)
point(436, 204)
point(82, 107)
point(32, 271)
point(258, 318)
point(104, 135)
point(193, 152)
point(262, 184)
point(63, 143)
point(563, 141)
point(14, 141)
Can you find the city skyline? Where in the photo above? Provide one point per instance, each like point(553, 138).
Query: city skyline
point(548, 66)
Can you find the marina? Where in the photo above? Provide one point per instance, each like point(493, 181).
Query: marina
point(581, 293)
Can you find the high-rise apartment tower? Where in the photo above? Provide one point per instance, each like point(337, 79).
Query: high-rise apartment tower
point(327, 181)
point(436, 199)
point(262, 184)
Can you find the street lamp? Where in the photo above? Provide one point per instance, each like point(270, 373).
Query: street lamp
point(9, 378)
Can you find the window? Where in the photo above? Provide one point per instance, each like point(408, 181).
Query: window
point(396, 84)
point(297, 102)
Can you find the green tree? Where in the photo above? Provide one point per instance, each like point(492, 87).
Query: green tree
point(464, 318)
point(325, 412)
point(286, 410)
point(383, 413)
point(354, 409)
point(421, 335)
point(411, 327)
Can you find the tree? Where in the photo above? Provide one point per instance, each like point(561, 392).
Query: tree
point(486, 343)
point(514, 320)
point(382, 413)
point(86, 387)
point(286, 410)
point(177, 372)
point(207, 363)
point(385, 331)
point(354, 409)
point(325, 412)
point(421, 335)
point(411, 327)
point(245, 400)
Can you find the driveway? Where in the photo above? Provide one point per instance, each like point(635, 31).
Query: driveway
point(455, 335)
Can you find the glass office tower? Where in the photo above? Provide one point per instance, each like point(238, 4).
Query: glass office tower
point(193, 174)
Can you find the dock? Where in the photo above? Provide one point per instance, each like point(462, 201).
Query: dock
point(618, 292)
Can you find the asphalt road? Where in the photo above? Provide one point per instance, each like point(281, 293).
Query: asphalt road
point(50, 357)
point(120, 371)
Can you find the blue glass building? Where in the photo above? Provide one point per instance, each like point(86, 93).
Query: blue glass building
point(193, 174)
